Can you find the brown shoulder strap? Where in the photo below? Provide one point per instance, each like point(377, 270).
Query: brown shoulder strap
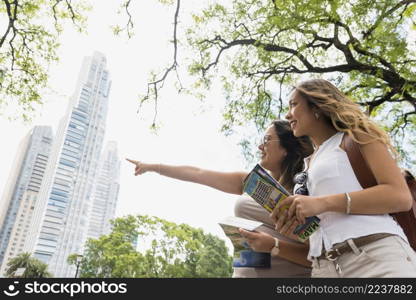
point(359, 164)
point(411, 183)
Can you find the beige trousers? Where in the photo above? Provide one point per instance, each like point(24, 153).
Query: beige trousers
point(388, 257)
point(247, 208)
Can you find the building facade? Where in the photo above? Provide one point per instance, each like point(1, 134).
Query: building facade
point(22, 191)
point(61, 218)
point(105, 192)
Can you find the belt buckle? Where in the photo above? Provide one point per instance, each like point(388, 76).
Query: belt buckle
point(332, 254)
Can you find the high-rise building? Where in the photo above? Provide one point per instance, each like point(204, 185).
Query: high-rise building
point(21, 192)
point(105, 192)
point(61, 220)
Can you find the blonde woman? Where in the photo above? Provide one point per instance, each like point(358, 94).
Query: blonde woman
point(357, 236)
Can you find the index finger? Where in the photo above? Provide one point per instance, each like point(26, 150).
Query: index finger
point(132, 161)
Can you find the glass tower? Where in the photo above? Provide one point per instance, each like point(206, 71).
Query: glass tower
point(21, 192)
point(61, 219)
point(105, 193)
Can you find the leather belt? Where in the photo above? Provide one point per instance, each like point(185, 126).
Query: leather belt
point(342, 248)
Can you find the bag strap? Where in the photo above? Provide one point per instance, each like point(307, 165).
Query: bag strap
point(359, 164)
point(411, 183)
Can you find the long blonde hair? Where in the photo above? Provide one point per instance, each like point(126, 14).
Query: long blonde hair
point(342, 112)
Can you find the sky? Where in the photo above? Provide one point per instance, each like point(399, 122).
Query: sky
point(189, 132)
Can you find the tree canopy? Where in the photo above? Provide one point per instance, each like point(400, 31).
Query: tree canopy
point(165, 250)
point(361, 44)
point(29, 31)
point(33, 268)
point(259, 49)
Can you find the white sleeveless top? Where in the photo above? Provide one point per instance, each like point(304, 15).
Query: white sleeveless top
point(331, 172)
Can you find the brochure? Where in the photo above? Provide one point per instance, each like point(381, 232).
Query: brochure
point(266, 191)
point(244, 256)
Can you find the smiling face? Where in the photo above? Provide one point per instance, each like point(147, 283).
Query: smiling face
point(272, 153)
point(301, 115)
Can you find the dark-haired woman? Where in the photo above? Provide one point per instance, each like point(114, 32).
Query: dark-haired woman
point(282, 155)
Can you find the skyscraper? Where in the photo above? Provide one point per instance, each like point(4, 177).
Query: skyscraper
point(105, 192)
point(61, 220)
point(21, 192)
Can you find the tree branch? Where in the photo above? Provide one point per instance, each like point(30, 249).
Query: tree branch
point(388, 74)
point(70, 9)
point(11, 20)
point(405, 123)
point(386, 14)
point(129, 25)
point(155, 85)
point(354, 65)
point(380, 100)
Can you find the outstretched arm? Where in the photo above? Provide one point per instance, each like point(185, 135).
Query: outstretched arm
point(229, 182)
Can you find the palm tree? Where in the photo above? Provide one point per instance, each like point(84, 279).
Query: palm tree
point(34, 268)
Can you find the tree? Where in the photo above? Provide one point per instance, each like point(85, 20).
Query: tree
point(166, 250)
point(28, 45)
point(112, 255)
point(258, 49)
point(34, 268)
point(211, 260)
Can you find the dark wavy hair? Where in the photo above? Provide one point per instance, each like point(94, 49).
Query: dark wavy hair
point(297, 149)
